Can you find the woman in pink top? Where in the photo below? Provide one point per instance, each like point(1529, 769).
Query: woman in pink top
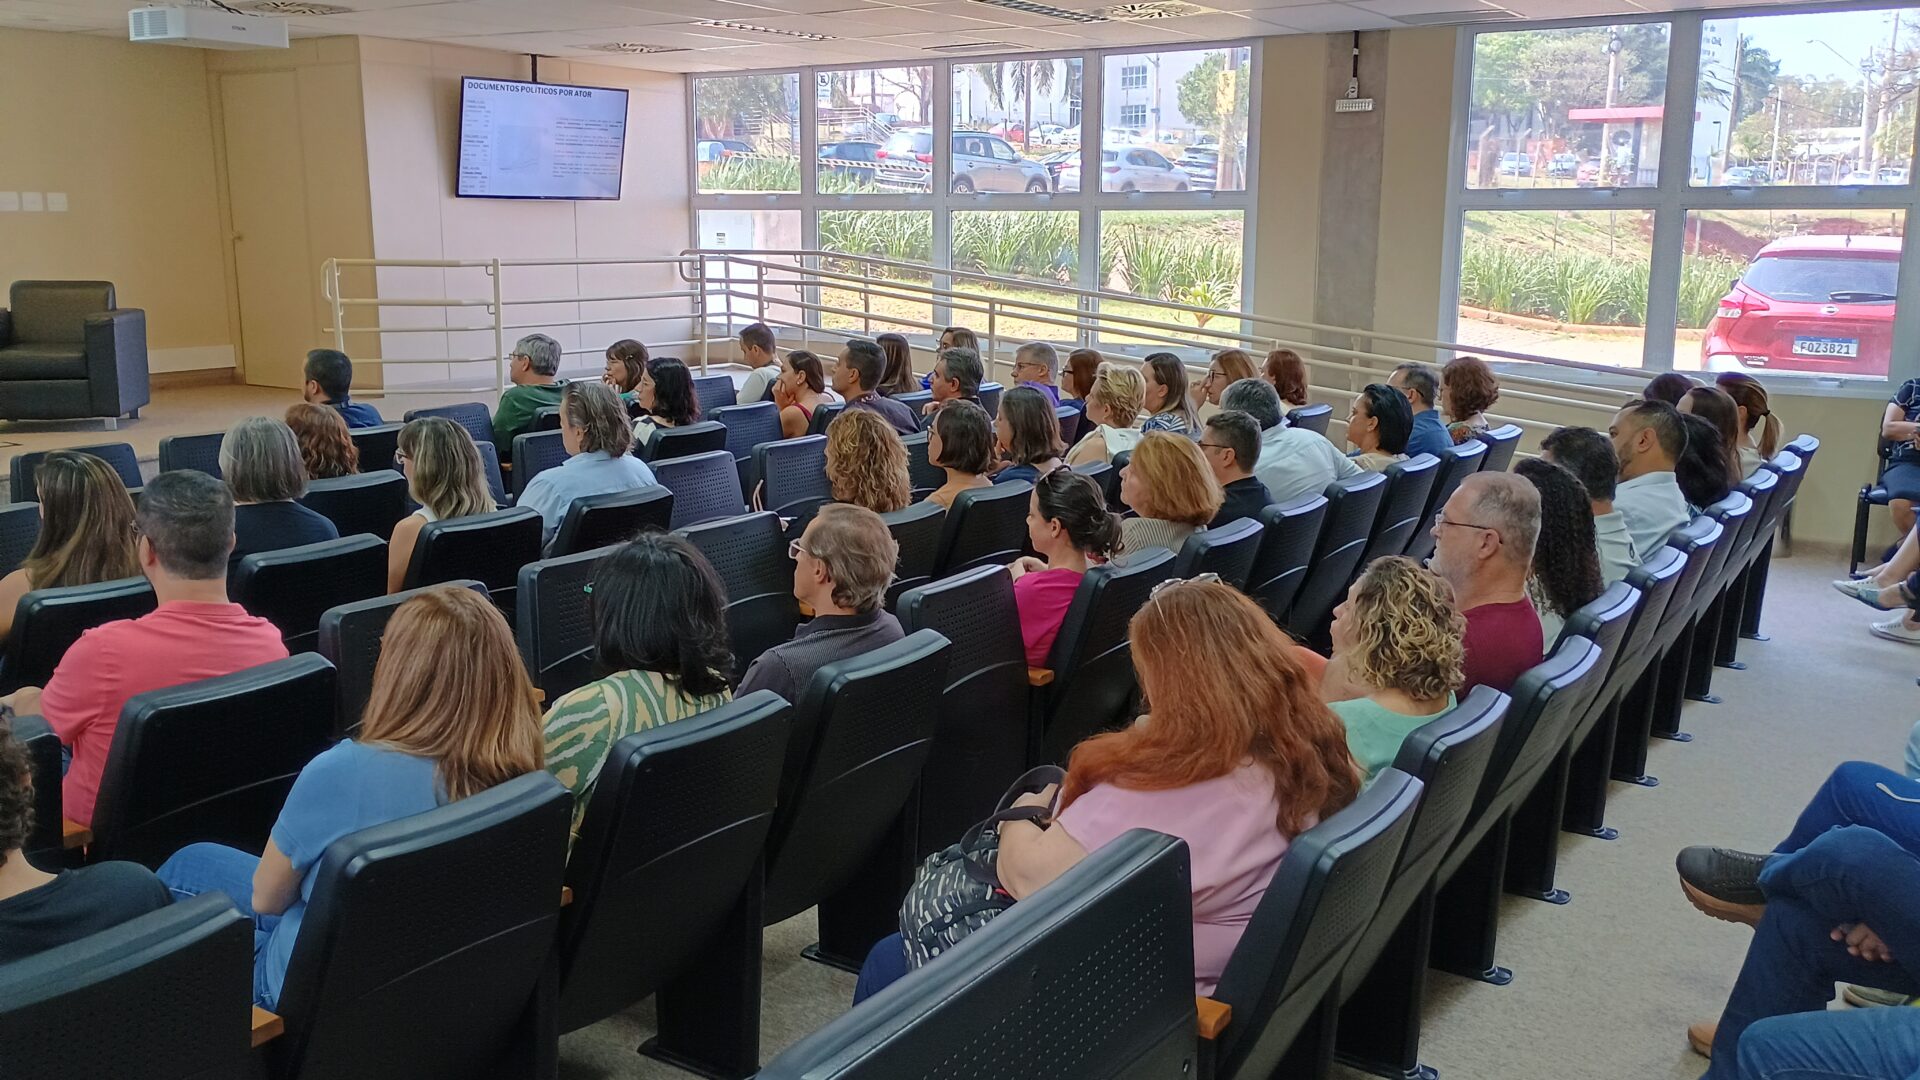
point(1068, 524)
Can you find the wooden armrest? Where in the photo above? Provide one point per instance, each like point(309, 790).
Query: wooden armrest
point(566, 895)
point(1213, 1017)
point(539, 696)
point(74, 835)
point(266, 1026)
point(806, 609)
point(1039, 676)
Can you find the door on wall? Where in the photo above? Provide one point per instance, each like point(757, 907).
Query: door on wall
point(278, 281)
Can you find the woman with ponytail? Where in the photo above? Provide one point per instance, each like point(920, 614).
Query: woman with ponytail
point(1068, 524)
point(1755, 412)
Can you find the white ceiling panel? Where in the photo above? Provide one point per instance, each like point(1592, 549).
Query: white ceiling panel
point(1321, 19)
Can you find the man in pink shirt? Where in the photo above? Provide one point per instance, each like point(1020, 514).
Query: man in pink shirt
point(1483, 546)
point(186, 531)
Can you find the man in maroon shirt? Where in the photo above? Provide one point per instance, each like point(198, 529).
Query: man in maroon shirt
point(1483, 546)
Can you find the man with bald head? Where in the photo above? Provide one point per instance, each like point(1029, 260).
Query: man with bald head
point(1483, 546)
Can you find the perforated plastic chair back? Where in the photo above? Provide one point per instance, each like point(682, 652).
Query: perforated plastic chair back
point(1607, 622)
point(748, 426)
point(489, 548)
point(1501, 442)
point(1732, 513)
point(350, 636)
point(823, 415)
point(46, 843)
point(47, 622)
point(925, 476)
point(1229, 551)
point(1289, 533)
point(166, 785)
point(376, 445)
point(916, 530)
point(200, 453)
point(1103, 473)
point(472, 415)
point(19, 531)
point(291, 588)
point(985, 526)
point(21, 469)
point(1092, 661)
point(1314, 418)
point(1546, 702)
point(1696, 540)
point(793, 473)
point(1069, 419)
point(376, 992)
point(673, 832)
point(534, 452)
point(545, 418)
point(750, 555)
point(1456, 464)
point(990, 398)
point(1403, 508)
point(366, 502)
point(714, 392)
point(689, 439)
point(554, 627)
point(490, 468)
point(1353, 505)
point(914, 399)
point(1655, 579)
point(704, 486)
point(595, 521)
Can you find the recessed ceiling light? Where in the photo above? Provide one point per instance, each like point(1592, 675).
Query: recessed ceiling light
point(291, 7)
point(973, 46)
point(750, 28)
point(633, 48)
point(1029, 7)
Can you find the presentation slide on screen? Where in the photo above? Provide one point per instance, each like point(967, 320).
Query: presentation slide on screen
point(535, 141)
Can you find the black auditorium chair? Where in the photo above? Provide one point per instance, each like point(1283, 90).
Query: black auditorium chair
point(350, 638)
point(472, 415)
point(666, 879)
point(1739, 516)
point(925, 476)
point(1791, 469)
point(1104, 474)
point(704, 486)
point(614, 518)
point(47, 621)
point(211, 760)
point(376, 445)
point(1088, 685)
point(1769, 494)
point(292, 587)
point(1314, 418)
point(1069, 419)
point(981, 742)
point(914, 399)
point(1456, 464)
point(1111, 483)
point(1229, 551)
point(750, 555)
point(1289, 533)
point(842, 836)
point(534, 452)
point(990, 398)
point(166, 996)
point(490, 548)
point(985, 526)
point(427, 946)
point(1403, 509)
point(714, 392)
point(1092, 978)
point(19, 531)
point(1353, 505)
point(366, 502)
point(917, 529)
point(554, 625)
point(1501, 442)
point(1282, 981)
point(120, 455)
point(1654, 708)
point(793, 475)
point(748, 426)
point(672, 442)
point(823, 415)
point(1383, 984)
point(545, 418)
point(46, 844)
point(490, 467)
point(1871, 495)
point(201, 453)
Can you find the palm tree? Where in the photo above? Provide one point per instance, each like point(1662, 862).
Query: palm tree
point(1024, 79)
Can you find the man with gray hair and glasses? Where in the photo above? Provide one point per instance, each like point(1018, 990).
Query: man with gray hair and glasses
point(1293, 461)
point(1483, 546)
point(533, 366)
point(1036, 364)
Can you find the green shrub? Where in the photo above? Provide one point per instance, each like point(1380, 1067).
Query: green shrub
point(1150, 262)
point(1703, 281)
point(1580, 286)
point(741, 173)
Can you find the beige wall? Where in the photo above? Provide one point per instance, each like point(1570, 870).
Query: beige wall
point(124, 131)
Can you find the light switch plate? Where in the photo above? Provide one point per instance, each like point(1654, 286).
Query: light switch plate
point(57, 202)
point(9, 202)
point(32, 202)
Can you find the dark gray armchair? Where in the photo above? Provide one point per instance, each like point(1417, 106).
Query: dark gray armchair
point(67, 353)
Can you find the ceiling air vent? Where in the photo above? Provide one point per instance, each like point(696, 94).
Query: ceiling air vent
point(633, 48)
point(1029, 7)
point(750, 28)
point(1151, 10)
point(1452, 18)
point(295, 8)
point(976, 46)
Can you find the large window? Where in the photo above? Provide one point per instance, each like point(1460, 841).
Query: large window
point(747, 133)
point(873, 129)
point(1190, 257)
point(1565, 283)
point(1564, 108)
point(889, 235)
point(1179, 124)
point(1016, 124)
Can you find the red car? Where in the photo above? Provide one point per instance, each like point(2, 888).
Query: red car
point(1812, 304)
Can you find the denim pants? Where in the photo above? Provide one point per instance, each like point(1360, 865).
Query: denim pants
point(1846, 875)
point(886, 964)
point(1861, 793)
point(205, 868)
point(1856, 1044)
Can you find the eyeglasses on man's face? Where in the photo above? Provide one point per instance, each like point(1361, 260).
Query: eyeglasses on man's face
point(1440, 518)
point(794, 550)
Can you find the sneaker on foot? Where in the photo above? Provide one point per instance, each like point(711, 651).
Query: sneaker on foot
point(1723, 883)
point(1867, 997)
point(1700, 1036)
point(1852, 586)
point(1896, 629)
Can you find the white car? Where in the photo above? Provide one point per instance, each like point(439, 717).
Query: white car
point(1857, 176)
point(1055, 135)
point(1138, 169)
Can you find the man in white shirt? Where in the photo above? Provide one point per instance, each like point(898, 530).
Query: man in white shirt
point(1588, 455)
point(1648, 438)
point(757, 352)
point(1293, 461)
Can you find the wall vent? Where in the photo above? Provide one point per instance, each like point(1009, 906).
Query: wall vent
point(1151, 10)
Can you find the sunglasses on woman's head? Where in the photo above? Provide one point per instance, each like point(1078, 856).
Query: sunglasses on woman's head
point(1197, 579)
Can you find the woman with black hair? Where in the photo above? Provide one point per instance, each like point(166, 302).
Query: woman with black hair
point(1379, 426)
point(1069, 525)
point(1566, 556)
point(660, 635)
point(666, 392)
point(1027, 434)
point(1701, 470)
point(1169, 404)
point(1669, 387)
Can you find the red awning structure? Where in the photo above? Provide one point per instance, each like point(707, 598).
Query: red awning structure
point(1617, 114)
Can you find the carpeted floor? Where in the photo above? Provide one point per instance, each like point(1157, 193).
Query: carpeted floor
point(1605, 986)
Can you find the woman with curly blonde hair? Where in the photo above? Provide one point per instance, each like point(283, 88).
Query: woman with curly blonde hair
point(1397, 656)
point(1114, 403)
point(867, 462)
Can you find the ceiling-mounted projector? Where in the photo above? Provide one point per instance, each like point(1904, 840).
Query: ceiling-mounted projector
point(205, 28)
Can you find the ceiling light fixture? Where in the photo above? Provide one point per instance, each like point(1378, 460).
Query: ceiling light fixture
point(975, 46)
point(750, 28)
point(296, 8)
point(633, 48)
point(1029, 7)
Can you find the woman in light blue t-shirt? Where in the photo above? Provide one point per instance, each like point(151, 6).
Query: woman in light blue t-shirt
point(451, 714)
point(1397, 658)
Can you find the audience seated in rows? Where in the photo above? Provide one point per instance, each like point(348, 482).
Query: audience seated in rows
point(1081, 366)
point(1294, 462)
point(1421, 387)
point(86, 531)
point(185, 528)
point(594, 430)
point(898, 377)
point(444, 476)
point(1703, 470)
point(1566, 556)
point(1069, 525)
point(659, 617)
point(1649, 438)
point(626, 364)
point(854, 378)
point(867, 463)
point(1113, 411)
point(451, 714)
point(1229, 366)
point(1234, 760)
point(1036, 366)
point(1590, 457)
point(1669, 387)
point(1754, 411)
point(1468, 389)
point(1287, 373)
point(842, 565)
point(1378, 426)
point(960, 441)
point(758, 352)
point(957, 374)
point(1169, 485)
point(260, 462)
point(39, 910)
point(1026, 435)
point(326, 447)
point(1483, 543)
point(1397, 658)
point(666, 396)
point(329, 376)
point(1167, 401)
point(534, 367)
point(1716, 407)
point(1231, 444)
point(799, 389)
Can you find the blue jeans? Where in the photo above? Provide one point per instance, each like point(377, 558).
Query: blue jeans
point(886, 964)
point(1850, 874)
point(1858, 1044)
point(1861, 793)
point(1913, 752)
point(205, 868)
